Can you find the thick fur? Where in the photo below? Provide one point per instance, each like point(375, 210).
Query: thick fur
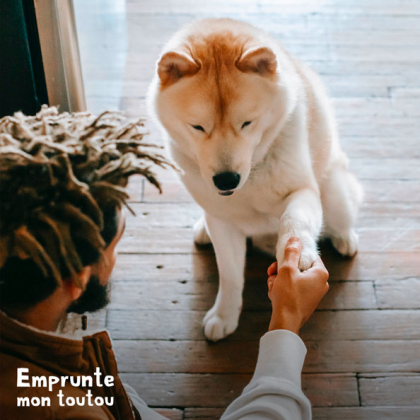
point(218, 74)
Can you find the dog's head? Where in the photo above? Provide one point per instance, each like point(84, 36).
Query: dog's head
point(221, 96)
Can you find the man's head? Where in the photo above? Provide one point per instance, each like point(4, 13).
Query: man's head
point(96, 292)
point(24, 285)
point(62, 180)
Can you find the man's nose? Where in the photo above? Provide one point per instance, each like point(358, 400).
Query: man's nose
point(226, 181)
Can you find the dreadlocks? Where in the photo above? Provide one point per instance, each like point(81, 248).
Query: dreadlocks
point(62, 178)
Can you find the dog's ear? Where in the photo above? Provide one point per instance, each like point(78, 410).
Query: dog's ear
point(259, 60)
point(175, 65)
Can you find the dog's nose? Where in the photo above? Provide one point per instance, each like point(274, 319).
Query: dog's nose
point(226, 181)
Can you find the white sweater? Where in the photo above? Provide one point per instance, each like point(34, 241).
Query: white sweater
point(275, 390)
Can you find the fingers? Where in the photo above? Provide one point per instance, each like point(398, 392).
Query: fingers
point(272, 269)
point(292, 252)
point(318, 263)
point(322, 271)
point(270, 282)
point(318, 270)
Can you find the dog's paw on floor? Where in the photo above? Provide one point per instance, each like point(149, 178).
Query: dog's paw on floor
point(217, 327)
point(346, 245)
point(201, 237)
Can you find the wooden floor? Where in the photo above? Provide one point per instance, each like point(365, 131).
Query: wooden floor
point(363, 343)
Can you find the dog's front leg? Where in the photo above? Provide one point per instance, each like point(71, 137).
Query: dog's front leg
point(230, 248)
point(302, 218)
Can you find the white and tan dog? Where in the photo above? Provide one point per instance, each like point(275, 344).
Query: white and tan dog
point(254, 132)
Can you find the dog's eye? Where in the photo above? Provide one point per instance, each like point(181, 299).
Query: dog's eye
point(246, 123)
point(199, 128)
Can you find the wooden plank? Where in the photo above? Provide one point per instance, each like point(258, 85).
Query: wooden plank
point(184, 215)
point(349, 295)
point(323, 356)
point(165, 267)
point(135, 188)
point(379, 127)
point(363, 325)
point(171, 413)
point(164, 241)
point(326, 413)
point(179, 240)
point(323, 325)
point(404, 293)
point(385, 192)
point(364, 413)
point(200, 295)
point(330, 389)
point(362, 356)
point(202, 266)
point(185, 356)
point(404, 92)
point(403, 106)
point(386, 169)
point(156, 325)
point(183, 390)
point(392, 240)
point(207, 413)
point(357, 7)
point(158, 215)
point(392, 390)
point(371, 210)
point(380, 146)
point(272, 22)
point(170, 295)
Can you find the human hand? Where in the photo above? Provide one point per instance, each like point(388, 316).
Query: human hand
point(294, 294)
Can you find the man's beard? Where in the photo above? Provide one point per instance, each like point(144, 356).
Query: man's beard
point(94, 298)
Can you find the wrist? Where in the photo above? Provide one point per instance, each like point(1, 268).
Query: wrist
point(289, 323)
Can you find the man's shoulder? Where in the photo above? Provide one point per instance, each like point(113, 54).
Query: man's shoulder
point(9, 365)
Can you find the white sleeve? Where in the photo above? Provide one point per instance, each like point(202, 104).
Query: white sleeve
point(145, 412)
point(275, 391)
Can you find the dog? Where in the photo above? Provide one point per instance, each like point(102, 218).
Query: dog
point(254, 134)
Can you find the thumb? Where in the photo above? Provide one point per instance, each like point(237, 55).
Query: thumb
point(292, 251)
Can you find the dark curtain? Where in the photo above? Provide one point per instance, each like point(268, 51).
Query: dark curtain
point(22, 80)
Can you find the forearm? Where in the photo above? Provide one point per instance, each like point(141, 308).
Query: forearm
point(275, 389)
point(146, 412)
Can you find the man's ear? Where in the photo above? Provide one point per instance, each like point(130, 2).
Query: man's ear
point(259, 60)
point(77, 285)
point(175, 65)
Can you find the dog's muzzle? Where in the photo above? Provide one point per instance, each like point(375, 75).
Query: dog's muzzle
point(226, 182)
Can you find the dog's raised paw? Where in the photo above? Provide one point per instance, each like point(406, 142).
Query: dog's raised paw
point(217, 327)
point(308, 255)
point(307, 258)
